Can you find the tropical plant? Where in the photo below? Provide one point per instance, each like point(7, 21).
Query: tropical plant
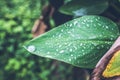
point(85, 40)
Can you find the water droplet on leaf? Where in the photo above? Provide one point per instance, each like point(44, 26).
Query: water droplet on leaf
point(62, 51)
point(31, 48)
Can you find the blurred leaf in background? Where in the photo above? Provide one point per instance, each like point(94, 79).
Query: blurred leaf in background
point(16, 20)
point(84, 7)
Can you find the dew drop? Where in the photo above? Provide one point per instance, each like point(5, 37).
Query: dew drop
point(87, 25)
point(70, 59)
point(75, 22)
point(59, 35)
point(81, 44)
point(56, 49)
point(53, 36)
point(62, 51)
point(96, 19)
point(31, 48)
point(106, 27)
point(65, 43)
point(69, 44)
point(82, 22)
point(83, 53)
point(70, 25)
point(48, 52)
point(62, 30)
point(69, 32)
point(82, 50)
point(99, 24)
point(60, 46)
point(71, 55)
point(71, 50)
point(84, 47)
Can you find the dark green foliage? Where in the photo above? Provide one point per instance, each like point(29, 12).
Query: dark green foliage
point(84, 7)
point(16, 20)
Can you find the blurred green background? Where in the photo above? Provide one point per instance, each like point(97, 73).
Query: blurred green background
point(16, 21)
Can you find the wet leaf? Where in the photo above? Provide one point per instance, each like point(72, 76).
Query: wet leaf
point(84, 7)
point(113, 67)
point(80, 42)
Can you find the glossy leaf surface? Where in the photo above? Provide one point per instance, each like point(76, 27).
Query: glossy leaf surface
point(84, 7)
point(80, 42)
point(113, 67)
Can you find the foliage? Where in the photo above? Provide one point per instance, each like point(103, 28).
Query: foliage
point(16, 20)
point(82, 41)
point(84, 7)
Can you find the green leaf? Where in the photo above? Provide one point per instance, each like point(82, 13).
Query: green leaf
point(113, 67)
point(84, 7)
point(80, 42)
point(66, 1)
